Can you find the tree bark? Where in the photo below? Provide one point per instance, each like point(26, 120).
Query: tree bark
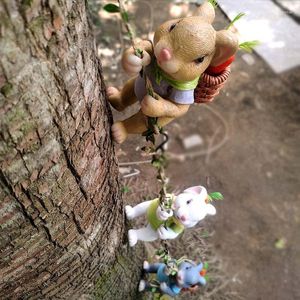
point(61, 212)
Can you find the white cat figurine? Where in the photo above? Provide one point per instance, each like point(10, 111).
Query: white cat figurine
point(188, 208)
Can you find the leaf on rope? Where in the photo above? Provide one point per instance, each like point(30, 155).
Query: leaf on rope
point(111, 8)
point(238, 17)
point(216, 196)
point(125, 16)
point(249, 45)
point(138, 52)
point(214, 3)
point(156, 163)
point(147, 132)
point(150, 138)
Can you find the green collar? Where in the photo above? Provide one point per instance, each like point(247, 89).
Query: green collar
point(179, 85)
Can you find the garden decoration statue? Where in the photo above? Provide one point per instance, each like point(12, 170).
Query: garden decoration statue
point(187, 209)
point(187, 276)
point(185, 52)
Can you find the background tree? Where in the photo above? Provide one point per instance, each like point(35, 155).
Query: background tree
point(62, 223)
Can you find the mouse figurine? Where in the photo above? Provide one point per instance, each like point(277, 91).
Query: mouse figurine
point(183, 50)
point(188, 277)
point(188, 208)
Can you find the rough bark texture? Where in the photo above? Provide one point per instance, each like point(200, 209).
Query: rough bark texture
point(61, 213)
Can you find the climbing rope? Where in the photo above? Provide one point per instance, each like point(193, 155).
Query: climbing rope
point(159, 159)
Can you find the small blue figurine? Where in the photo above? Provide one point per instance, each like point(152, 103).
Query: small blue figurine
point(189, 275)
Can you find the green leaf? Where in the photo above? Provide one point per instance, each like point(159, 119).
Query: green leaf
point(280, 244)
point(239, 16)
point(207, 278)
point(205, 266)
point(125, 189)
point(139, 53)
point(111, 8)
point(214, 3)
point(249, 45)
point(147, 132)
point(151, 138)
point(125, 16)
point(216, 196)
point(156, 164)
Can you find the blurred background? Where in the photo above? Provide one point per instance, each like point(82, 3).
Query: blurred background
point(245, 144)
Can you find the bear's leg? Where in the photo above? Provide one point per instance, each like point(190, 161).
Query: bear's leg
point(124, 98)
point(136, 124)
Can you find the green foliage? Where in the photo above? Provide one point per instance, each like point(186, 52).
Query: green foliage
point(207, 278)
point(214, 3)
point(159, 162)
point(125, 189)
point(139, 53)
point(111, 8)
point(215, 196)
point(249, 45)
point(238, 17)
point(152, 130)
point(280, 244)
point(125, 16)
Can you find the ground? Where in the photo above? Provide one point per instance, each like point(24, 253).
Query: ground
point(256, 229)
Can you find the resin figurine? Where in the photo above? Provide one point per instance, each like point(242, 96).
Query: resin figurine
point(182, 51)
point(188, 208)
point(189, 276)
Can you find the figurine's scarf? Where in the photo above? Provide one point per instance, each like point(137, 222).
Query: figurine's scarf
point(179, 85)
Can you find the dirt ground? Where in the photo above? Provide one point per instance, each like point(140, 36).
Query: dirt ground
point(256, 229)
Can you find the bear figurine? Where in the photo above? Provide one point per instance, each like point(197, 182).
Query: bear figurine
point(183, 50)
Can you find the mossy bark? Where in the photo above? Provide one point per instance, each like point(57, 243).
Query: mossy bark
point(61, 212)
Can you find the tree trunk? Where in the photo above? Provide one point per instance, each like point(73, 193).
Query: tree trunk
point(61, 212)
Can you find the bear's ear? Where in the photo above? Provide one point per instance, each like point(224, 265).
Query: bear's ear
point(226, 46)
point(206, 11)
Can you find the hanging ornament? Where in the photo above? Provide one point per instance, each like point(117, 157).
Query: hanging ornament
point(172, 68)
point(172, 276)
point(188, 62)
point(168, 219)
